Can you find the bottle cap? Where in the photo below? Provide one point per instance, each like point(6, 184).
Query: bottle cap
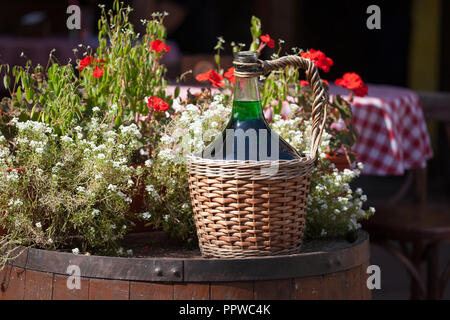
point(246, 64)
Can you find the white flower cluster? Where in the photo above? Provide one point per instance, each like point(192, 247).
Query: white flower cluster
point(193, 130)
point(332, 200)
point(331, 205)
point(131, 130)
point(78, 168)
point(152, 192)
point(32, 136)
point(289, 129)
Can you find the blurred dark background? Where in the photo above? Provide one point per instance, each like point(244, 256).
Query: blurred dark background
point(389, 55)
point(412, 49)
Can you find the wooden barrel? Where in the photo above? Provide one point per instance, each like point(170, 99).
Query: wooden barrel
point(322, 270)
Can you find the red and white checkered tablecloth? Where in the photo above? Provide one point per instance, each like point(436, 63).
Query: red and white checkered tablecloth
point(393, 136)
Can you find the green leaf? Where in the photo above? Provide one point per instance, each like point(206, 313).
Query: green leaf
point(217, 59)
point(6, 81)
point(255, 28)
point(343, 106)
point(19, 94)
point(118, 121)
point(177, 92)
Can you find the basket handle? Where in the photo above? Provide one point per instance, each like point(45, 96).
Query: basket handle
point(319, 108)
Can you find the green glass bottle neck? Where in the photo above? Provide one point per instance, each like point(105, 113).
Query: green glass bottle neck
point(246, 100)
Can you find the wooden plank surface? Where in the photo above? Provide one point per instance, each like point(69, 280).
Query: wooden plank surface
point(191, 291)
point(12, 283)
point(151, 291)
point(354, 284)
point(232, 291)
point(273, 289)
point(108, 290)
point(62, 292)
point(38, 285)
point(335, 286)
point(366, 292)
point(309, 288)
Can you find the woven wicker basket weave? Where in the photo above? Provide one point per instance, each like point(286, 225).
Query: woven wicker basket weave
point(242, 208)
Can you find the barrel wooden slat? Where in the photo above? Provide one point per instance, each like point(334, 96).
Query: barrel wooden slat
point(61, 292)
point(151, 291)
point(191, 291)
point(324, 270)
point(108, 290)
point(366, 293)
point(309, 288)
point(232, 291)
point(39, 285)
point(12, 283)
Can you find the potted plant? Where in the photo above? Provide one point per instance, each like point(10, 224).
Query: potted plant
point(91, 136)
point(100, 128)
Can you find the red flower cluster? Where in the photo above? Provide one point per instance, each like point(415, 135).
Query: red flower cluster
point(305, 83)
point(86, 62)
point(98, 70)
point(215, 78)
point(319, 58)
point(230, 75)
point(353, 81)
point(159, 46)
point(157, 104)
point(268, 40)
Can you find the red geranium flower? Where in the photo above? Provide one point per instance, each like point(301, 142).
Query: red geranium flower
point(159, 46)
point(362, 91)
point(230, 75)
point(98, 72)
point(85, 62)
point(203, 76)
point(268, 40)
point(215, 78)
point(353, 81)
point(304, 83)
point(319, 58)
point(158, 104)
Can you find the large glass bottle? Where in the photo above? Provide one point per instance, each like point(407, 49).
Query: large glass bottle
point(248, 135)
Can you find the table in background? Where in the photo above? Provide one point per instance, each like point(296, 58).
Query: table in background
point(393, 135)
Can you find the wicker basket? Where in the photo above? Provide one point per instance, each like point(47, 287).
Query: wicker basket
point(243, 208)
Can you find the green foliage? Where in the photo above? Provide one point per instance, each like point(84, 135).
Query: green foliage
point(255, 30)
point(71, 191)
point(61, 95)
point(132, 70)
point(168, 201)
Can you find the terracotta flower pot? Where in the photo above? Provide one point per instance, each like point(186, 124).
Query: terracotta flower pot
point(340, 161)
